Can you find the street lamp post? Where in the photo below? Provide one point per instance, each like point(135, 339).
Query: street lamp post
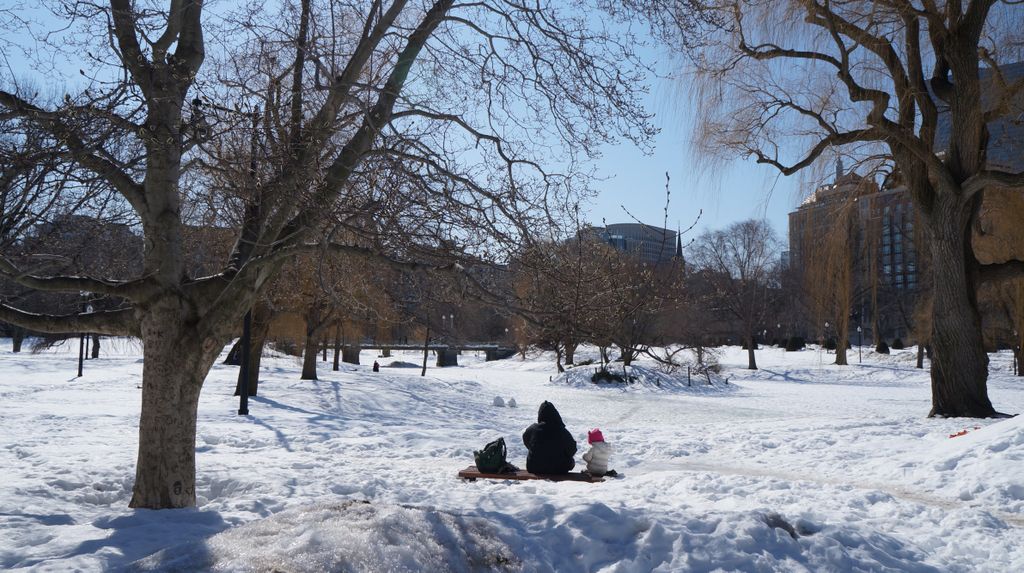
point(243, 387)
point(825, 341)
point(81, 338)
point(860, 343)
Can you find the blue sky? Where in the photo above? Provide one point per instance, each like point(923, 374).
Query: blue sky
point(631, 179)
point(741, 190)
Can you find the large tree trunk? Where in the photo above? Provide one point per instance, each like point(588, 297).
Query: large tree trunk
point(337, 347)
point(234, 357)
point(309, 353)
point(426, 350)
point(960, 364)
point(95, 346)
point(751, 359)
point(258, 332)
point(350, 353)
point(175, 364)
point(841, 344)
point(570, 352)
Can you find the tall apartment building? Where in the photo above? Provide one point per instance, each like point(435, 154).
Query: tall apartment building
point(886, 256)
point(886, 277)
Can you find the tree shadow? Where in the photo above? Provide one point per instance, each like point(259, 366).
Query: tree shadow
point(143, 532)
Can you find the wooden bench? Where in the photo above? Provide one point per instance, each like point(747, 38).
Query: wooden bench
point(471, 474)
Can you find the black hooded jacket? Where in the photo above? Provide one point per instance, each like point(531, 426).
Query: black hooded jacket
point(551, 447)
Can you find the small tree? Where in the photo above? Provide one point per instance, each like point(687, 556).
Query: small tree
point(740, 263)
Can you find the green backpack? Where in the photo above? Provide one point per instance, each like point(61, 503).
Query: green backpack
point(491, 459)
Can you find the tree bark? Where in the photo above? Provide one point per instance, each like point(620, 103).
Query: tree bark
point(751, 359)
point(558, 358)
point(309, 355)
point(920, 356)
point(95, 346)
point(176, 361)
point(426, 349)
point(959, 369)
point(570, 352)
point(841, 344)
point(234, 357)
point(258, 332)
point(350, 353)
point(337, 348)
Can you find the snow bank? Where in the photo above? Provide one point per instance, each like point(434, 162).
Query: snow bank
point(346, 536)
point(982, 465)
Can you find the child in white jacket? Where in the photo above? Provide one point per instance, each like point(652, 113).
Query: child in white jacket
point(597, 456)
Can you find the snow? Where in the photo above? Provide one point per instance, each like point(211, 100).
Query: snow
point(356, 471)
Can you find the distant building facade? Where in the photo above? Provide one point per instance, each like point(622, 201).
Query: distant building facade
point(885, 260)
point(652, 245)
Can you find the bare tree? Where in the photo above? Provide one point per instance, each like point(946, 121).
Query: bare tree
point(457, 101)
point(740, 262)
point(913, 85)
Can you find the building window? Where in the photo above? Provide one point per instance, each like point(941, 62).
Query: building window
point(887, 269)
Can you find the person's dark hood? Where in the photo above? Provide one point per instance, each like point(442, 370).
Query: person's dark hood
point(549, 415)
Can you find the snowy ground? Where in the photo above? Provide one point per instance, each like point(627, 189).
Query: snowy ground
point(844, 456)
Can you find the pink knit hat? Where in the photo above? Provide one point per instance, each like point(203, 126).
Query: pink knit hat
point(594, 436)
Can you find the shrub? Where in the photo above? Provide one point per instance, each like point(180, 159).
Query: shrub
point(830, 344)
point(882, 348)
point(744, 345)
point(586, 362)
point(898, 344)
point(606, 376)
point(794, 343)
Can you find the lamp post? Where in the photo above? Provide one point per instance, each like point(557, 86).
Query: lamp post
point(81, 335)
point(243, 387)
point(860, 343)
point(825, 341)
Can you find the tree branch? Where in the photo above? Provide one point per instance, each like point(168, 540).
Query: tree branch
point(132, 290)
point(55, 124)
point(112, 323)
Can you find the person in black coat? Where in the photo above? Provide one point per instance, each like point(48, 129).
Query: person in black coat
point(551, 447)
